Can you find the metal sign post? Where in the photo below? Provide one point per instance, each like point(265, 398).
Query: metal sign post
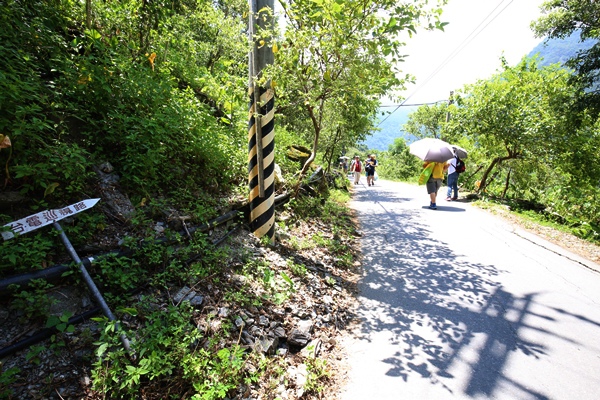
point(48, 217)
point(44, 218)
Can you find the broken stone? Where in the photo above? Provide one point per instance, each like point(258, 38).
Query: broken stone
point(279, 332)
point(305, 325)
point(196, 301)
point(267, 345)
point(239, 280)
point(281, 235)
point(159, 228)
point(185, 293)
point(253, 310)
point(298, 338)
point(118, 204)
point(239, 323)
point(247, 339)
point(223, 312)
point(301, 379)
point(282, 352)
point(255, 330)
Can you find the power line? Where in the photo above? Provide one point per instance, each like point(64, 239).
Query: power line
point(468, 40)
point(413, 105)
point(454, 53)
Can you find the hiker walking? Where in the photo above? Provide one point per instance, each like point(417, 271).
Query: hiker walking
point(356, 168)
point(452, 180)
point(370, 166)
point(435, 180)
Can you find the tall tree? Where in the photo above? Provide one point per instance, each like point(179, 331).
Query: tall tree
point(427, 121)
point(516, 114)
point(336, 52)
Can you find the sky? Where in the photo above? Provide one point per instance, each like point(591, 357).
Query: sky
point(478, 34)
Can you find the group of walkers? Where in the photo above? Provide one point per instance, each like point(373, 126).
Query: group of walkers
point(433, 183)
point(369, 166)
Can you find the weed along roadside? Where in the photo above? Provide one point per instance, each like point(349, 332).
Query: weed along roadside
point(243, 320)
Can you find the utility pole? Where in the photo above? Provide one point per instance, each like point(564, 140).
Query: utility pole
point(261, 137)
point(450, 101)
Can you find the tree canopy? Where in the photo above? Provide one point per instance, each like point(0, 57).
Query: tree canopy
point(336, 59)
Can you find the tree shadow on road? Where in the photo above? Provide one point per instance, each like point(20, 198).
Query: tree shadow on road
point(439, 309)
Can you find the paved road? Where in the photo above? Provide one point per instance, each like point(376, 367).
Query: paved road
point(457, 304)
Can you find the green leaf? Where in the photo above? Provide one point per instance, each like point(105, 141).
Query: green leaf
point(101, 349)
point(286, 278)
point(52, 321)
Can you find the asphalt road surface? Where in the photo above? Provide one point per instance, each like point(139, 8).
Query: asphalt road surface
point(458, 304)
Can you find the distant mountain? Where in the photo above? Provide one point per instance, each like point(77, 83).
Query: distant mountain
point(553, 51)
point(390, 127)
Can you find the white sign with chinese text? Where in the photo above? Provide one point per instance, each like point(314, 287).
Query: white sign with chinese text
point(44, 218)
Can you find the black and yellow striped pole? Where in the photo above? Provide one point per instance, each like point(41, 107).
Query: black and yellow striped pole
point(261, 134)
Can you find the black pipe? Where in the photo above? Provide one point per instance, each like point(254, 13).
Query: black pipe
point(47, 273)
point(56, 271)
point(217, 221)
point(60, 269)
point(45, 334)
point(51, 272)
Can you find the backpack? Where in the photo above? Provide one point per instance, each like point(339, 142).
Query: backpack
point(460, 166)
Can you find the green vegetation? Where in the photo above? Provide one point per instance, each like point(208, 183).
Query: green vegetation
point(559, 20)
point(532, 130)
point(397, 163)
point(33, 301)
point(334, 62)
point(530, 144)
point(158, 91)
point(179, 348)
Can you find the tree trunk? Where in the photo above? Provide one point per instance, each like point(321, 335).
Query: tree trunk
point(330, 153)
point(313, 154)
point(88, 14)
point(474, 173)
point(489, 169)
point(506, 184)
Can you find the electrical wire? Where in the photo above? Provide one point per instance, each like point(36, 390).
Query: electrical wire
point(413, 105)
point(453, 54)
point(467, 40)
